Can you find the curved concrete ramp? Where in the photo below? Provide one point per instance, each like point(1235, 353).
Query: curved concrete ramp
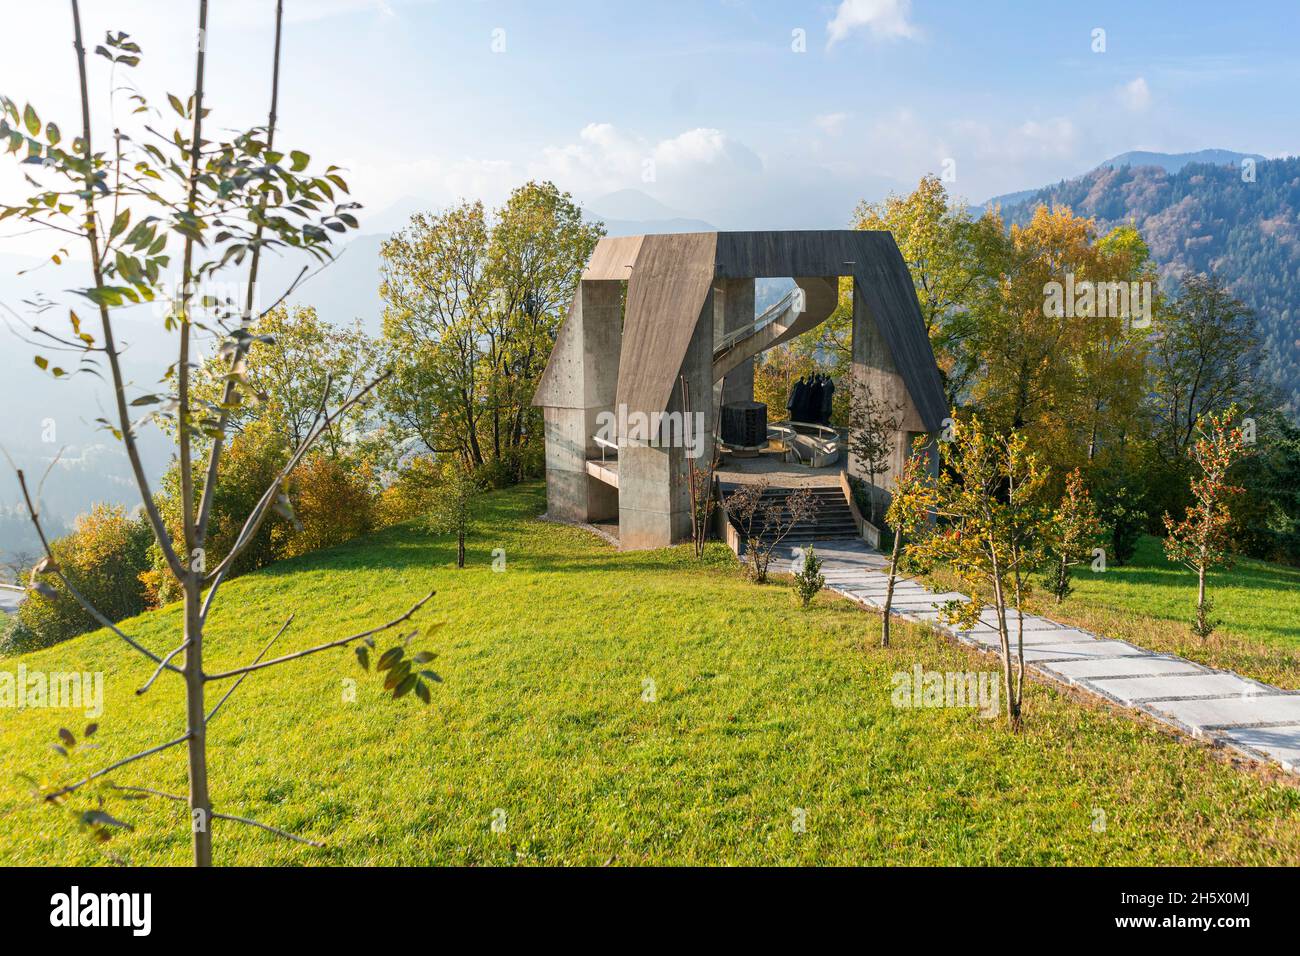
point(821, 295)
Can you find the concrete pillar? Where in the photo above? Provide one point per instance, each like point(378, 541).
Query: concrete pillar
point(874, 365)
point(734, 309)
point(654, 489)
point(588, 351)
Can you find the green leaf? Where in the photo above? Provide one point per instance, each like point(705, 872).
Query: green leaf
point(177, 105)
point(423, 657)
point(363, 657)
point(422, 692)
point(52, 134)
point(31, 120)
point(90, 729)
point(120, 223)
point(300, 160)
point(104, 295)
point(66, 736)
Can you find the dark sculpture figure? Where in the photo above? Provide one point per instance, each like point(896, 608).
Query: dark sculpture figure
point(811, 399)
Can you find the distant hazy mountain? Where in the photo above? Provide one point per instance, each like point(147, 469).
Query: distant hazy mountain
point(630, 204)
point(630, 212)
point(1206, 217)
point(1173, 162)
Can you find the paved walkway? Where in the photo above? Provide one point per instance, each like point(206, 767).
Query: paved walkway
point(1258, 720)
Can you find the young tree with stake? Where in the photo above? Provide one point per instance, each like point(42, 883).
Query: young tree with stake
point(453, 510)
point(989, 495)
point(1073, 530)
point(700, 481)
point(1200, 540)
point(873, 425)
point(908, 514)
point(221, 204)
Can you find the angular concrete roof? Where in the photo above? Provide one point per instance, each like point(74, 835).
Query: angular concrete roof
point(669, 278)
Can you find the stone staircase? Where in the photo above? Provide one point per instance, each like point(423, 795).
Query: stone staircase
point(833, 520)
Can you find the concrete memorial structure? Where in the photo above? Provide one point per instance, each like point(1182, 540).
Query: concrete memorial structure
point(654, 312)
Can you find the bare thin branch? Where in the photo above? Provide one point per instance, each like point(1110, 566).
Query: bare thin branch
point(162, 665)
point(111, 767)
point(341, 642)
point(235, 686)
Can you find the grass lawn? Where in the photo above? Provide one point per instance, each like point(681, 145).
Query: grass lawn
point(761, 708)
point(1151, 602)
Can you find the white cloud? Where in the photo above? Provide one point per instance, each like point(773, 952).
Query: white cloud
point(1135, 96)
point(885, 19)
point(704, 147)
point(689, 168)
point(831, 124)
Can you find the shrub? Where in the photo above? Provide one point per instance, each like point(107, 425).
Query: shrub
point(15, 637)
point(102, 558)
point(250, 463)
point(1126, 518)
point(412, 494)
point(808, 580)
point(332, 504)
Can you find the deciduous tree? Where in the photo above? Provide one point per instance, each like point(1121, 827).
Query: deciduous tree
point(765, 520)
point(989, 494)
point(909, 514)
point(873, 428)
point(1200, 540)
point(1072, 531)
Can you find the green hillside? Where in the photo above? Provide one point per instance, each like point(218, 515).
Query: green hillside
point(760, 710)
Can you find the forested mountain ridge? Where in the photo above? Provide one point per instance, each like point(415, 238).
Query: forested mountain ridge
point(1209, 218)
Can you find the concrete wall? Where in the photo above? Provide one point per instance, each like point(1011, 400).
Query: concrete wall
point(654, 489)
point(586, 370)
point(874, 365)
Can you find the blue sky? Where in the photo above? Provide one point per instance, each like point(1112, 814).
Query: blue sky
point(706, 105)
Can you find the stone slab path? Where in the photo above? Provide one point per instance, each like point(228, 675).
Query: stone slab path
point(1257, 720)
